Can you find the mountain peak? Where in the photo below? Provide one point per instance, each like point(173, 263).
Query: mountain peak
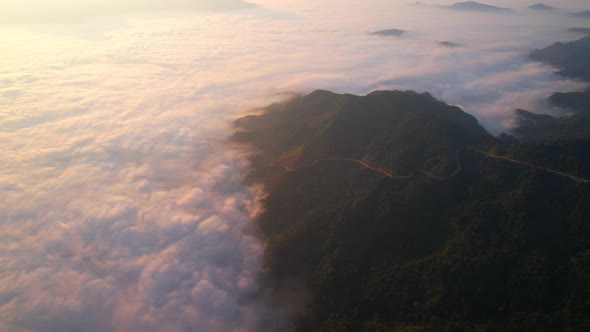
point(573, 58)
point(378, 128)
point(541, 6)
point(477, 6)
point(389, 33)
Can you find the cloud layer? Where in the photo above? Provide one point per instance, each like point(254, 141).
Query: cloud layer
point(122, 207)
point(42, 11)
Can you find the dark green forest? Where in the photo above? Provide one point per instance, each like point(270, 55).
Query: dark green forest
point(463, 232)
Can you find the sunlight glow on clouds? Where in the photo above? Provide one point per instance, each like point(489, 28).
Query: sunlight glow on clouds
point(40, 11)
point(122, 206)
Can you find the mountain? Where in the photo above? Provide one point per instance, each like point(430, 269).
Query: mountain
point(573, 58)
point(476, 6)
point(449, 44)
point(389, 33)
point(508, 138)
point(576, 101)
point(574, 61)
point(399, 131)
point(541, 6)
point(542, 129)
point(560, 142)
point(585, 31)
point(557, 143)
point(399, 212)
point(583, 14)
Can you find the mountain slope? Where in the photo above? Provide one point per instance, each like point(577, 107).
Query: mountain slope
point(583, 14)
point(494, 245)
point(541, 6)
point(402, 132)
point(584, 31)
point(573, 58)
point(389, 33)
point(558, 143)
point(576, 101)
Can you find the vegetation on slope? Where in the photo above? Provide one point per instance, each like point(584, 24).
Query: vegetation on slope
point(498, 246)
point(572, 57)
point(576, 101)
point(402, 132)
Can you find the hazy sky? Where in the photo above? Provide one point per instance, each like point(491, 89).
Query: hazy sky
point(122, 207)
point(35, 11)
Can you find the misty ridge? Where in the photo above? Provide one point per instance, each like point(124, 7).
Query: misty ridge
point(584, 14)
point(420, 167)
point(541, 6)
point(476, 6)
point(367, 206)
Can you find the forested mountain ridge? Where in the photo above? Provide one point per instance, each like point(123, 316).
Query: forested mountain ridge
point(497, 245)
point(399, 131)
point(559, 142)
point(573, 57)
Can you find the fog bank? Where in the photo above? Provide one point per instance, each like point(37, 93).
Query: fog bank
point(122, 205)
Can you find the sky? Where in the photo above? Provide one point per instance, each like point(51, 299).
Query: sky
point(122, 203)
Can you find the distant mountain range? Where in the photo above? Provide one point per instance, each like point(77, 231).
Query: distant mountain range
point(572, 130)
point(585, 31)
point(400, 212)
point(476, 6)
point(575, 101)
point(572, 58)
point(389, 33)
point(545, 129)
point(541, 6)
point(583, 14)
point(449, 44)
point(562, 137)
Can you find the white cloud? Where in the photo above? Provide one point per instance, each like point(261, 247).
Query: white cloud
point(42, 11)
point(122, 207)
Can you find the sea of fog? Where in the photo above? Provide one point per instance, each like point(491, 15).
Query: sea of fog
point(121, 203)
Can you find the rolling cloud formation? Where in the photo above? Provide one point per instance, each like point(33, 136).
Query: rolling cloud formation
point(122, 207)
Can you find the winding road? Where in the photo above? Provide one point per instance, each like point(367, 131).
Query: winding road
point(432, 176)
point(359, 162)
point(367, 166)
point(575, 178)
point(450, 176)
